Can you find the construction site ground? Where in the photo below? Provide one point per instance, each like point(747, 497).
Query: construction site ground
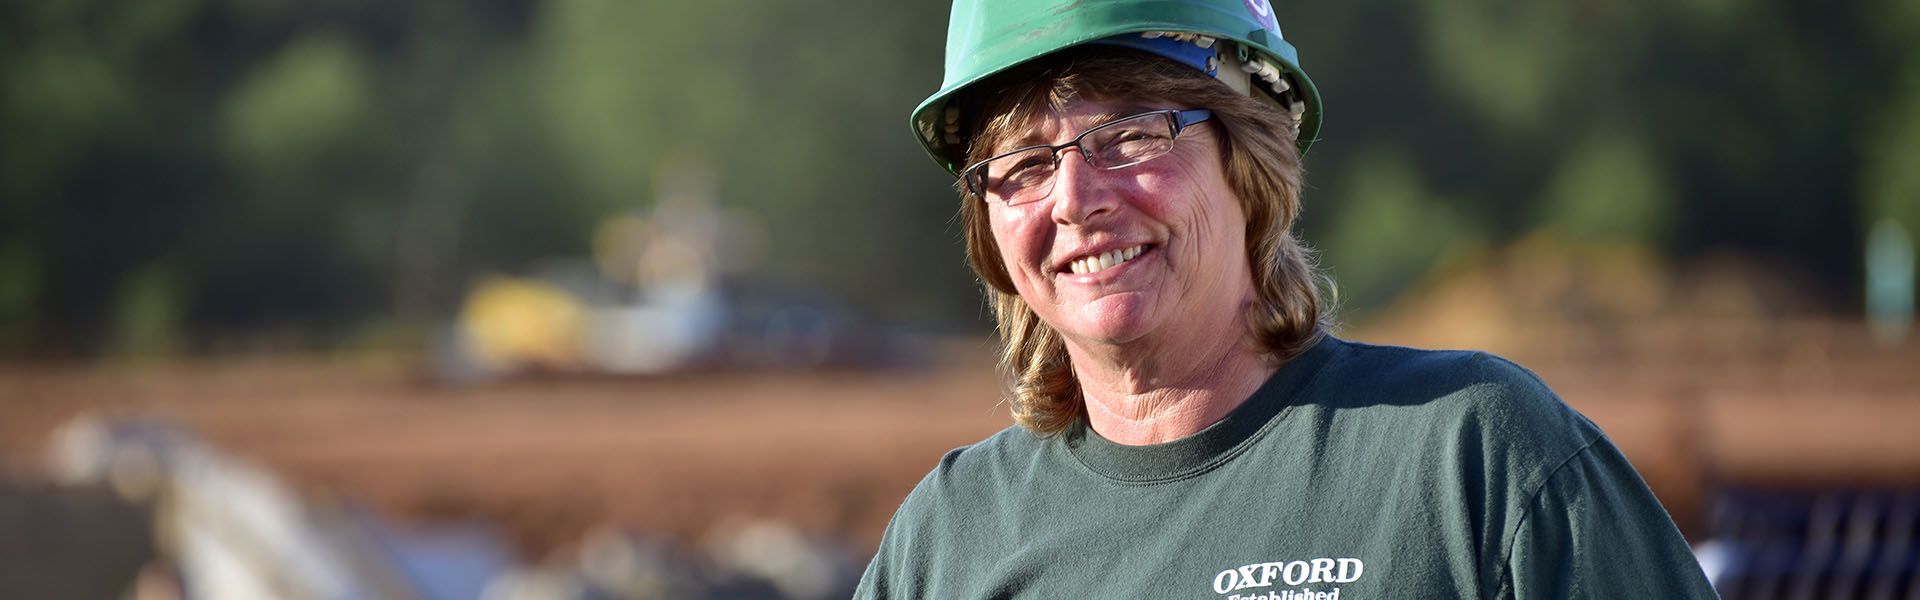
point(543, 459)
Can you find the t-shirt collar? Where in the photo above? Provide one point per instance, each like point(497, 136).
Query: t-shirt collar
point(1211, 446)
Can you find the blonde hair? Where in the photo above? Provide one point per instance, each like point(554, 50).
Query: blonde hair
point(1263, 169)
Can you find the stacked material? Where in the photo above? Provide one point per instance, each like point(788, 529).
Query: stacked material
point(1779, 543)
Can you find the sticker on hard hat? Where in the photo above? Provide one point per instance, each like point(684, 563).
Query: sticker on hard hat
point(1263, 12)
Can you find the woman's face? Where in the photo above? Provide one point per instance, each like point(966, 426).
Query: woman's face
point(1190, 276)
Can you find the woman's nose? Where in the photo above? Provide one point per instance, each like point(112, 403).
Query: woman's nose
point(1080, 190)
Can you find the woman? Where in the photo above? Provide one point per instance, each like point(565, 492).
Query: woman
point(1130, 173)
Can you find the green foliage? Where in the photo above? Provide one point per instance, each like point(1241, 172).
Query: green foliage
point(1501, 57)
point(316, 166)
point(1686, 127)
point(297, 106)
point(1890, 180)
point(1391, 229)
point(602, 85)
point(149, 313)
point(1608, 189)
point(58, 98)
point(19, 282)
point(799, 109)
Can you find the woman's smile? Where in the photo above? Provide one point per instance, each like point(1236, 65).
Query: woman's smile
point(1100, 262)
point(1146, 253)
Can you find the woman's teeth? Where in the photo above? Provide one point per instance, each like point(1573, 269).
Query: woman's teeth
point(1103, 261)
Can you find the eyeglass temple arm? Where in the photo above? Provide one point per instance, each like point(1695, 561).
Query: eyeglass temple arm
point(1183, 118)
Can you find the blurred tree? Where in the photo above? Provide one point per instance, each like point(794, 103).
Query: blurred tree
point(798, 107)
point(1608, 189)
point(19, 276)
point(1689, 127)
point(1393, 232)
point(147, 317)
point(1889, 178)
point(297, 107)
point(207, 168)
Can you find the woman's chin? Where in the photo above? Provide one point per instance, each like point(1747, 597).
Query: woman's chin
point(1112, 327)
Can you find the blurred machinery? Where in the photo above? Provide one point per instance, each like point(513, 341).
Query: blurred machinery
point(666, 291)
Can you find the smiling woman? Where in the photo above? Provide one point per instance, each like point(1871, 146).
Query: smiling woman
point(1186, 282)
point(1233, 188)
point(1185, 423)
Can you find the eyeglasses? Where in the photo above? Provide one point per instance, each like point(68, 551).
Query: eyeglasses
point(1026, 174)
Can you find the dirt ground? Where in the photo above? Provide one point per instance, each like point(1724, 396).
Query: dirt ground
point(1796, 403)
point(831, 453)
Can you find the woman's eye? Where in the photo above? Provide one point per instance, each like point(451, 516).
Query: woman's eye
point(1026, 167)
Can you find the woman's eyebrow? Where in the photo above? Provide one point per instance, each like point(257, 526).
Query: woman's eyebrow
point(1032, 138)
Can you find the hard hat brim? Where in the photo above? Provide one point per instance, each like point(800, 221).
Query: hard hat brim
point(1008, 45)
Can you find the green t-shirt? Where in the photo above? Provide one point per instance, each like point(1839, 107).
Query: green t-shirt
point(1357, 472)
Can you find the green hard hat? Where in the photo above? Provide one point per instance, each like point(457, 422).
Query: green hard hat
point(985, 37)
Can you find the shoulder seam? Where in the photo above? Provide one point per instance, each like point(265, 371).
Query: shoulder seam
point(1533, 497)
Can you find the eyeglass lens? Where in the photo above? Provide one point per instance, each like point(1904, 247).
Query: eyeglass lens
point(1027, 174)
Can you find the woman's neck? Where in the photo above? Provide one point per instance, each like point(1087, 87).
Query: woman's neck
point(1167, 394)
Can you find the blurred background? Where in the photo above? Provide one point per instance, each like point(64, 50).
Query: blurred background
point(601, 299)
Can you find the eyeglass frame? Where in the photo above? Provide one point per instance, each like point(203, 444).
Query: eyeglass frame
point(1181, 119)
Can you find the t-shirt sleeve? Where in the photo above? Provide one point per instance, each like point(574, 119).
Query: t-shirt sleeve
point(1594, 530)
point(900, 567)
point(894, 572)
point(875, 583)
